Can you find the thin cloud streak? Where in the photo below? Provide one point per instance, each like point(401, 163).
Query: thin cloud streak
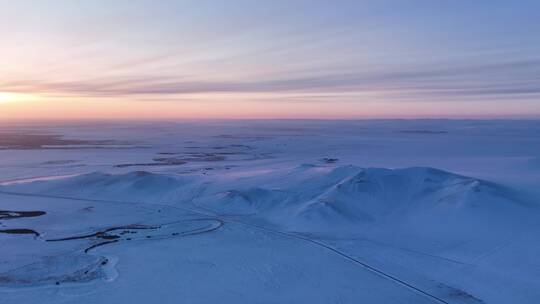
point(518, 79)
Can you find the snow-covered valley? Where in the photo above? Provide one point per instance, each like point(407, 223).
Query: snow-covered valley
point(412, 211)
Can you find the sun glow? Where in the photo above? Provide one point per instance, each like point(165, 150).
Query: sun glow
point(6, 97)
point(18, 98)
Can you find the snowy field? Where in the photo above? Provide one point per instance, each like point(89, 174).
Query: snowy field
point(382, 211)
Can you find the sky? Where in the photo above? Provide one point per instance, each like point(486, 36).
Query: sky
point(134, 59)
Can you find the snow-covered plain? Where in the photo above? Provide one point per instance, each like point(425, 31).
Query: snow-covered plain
point(381, 211)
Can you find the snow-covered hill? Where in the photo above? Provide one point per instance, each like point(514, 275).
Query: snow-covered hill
point(416, 201)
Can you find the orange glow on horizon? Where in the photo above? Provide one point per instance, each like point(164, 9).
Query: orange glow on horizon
point(27, 107)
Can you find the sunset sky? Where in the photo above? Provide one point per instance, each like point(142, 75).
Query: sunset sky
point(269, 59)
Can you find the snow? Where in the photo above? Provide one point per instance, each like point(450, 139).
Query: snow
point(434, 211)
